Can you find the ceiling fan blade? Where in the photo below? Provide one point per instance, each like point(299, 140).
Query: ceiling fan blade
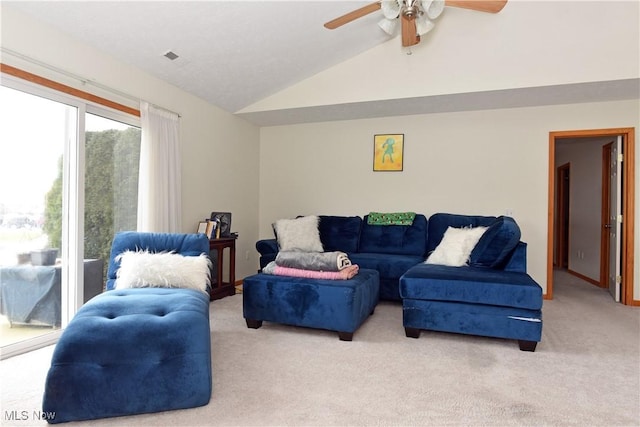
point(410, 35)
point(352, 16)
point(491, 6)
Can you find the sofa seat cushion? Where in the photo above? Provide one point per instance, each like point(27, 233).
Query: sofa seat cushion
point(389, 266)
point(394, 239)
point(471, 285)
point(132, 351)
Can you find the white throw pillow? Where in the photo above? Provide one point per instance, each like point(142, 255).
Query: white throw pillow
point(455, 248)
point(143, 269)
point(300, 234)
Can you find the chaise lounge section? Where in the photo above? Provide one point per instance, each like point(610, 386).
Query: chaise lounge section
point(493, 296)
point(126, 351)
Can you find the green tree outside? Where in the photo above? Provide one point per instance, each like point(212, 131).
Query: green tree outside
point(111, 192)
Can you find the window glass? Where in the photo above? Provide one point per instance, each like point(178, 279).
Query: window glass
point(41, 209)
point(112, 156)
point(33, 135)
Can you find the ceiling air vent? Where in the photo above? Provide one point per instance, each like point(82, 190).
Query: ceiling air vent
point(171, 55)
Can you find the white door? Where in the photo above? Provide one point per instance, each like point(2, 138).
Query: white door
point(615, 218)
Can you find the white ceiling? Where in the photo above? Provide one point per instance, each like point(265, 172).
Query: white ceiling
point(234, 53)
point(231, 53)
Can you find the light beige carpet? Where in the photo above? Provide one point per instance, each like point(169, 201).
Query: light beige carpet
point(585, 372)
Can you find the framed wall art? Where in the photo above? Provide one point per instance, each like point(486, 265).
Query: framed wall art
point(388, 152)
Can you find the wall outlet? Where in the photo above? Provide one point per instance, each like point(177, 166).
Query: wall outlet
point(246, 256)
point(508, 212)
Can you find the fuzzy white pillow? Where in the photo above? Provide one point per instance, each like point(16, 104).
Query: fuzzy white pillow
point(300, 234)
point(143, 269)
point(455, 248)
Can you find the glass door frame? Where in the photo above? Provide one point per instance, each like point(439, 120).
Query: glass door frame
point(73, 198)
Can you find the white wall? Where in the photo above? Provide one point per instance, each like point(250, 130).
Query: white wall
point(480, 162)
point(219, 150)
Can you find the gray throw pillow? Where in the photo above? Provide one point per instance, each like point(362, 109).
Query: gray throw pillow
point(300, 234)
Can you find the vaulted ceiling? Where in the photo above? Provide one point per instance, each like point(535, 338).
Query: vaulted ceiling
point(236, 53)
point(231, 53)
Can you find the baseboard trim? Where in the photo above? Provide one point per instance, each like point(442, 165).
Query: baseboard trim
point(585, 278)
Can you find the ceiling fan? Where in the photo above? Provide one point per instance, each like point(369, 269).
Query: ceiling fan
point(416, 16)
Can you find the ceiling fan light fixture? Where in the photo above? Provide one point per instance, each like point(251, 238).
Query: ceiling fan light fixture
point(423, 25)
point(411, 12)
point(433, 8)
point(389, 26)
point(390, 8)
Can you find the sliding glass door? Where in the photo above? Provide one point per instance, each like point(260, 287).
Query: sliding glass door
point(33, 138)
point(68, 182)
point(112, 156)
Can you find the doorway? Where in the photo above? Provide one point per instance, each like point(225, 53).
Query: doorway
point(627, 136)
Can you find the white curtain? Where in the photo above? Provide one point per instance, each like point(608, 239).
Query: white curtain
point(159, 194)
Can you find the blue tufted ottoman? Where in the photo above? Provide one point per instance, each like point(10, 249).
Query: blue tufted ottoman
point(335, 305)
point(132, 351)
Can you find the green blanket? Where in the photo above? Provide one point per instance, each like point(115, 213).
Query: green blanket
point(394, 218)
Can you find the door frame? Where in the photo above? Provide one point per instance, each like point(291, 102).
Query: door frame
point(628, 212)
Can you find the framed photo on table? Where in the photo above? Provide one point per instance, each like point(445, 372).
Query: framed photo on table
point(212, 227)
point(224, 222)
point(202, 227)
point(388, 152)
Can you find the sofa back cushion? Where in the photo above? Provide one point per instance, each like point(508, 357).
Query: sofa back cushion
point(496, 244)
point(183, 244)
point(438, 224)
point(340, 233)
point(394, 239)
point(494, 247)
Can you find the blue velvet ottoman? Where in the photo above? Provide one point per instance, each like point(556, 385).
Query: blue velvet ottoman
point(335, 305)
point(132, 351)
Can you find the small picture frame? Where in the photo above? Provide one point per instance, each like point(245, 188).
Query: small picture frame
point(202, 227)
point(212, 228)
point(224, 223)
point(388, 152)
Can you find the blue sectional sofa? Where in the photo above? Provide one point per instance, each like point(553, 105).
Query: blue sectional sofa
point(391, 250)
point(491, 296)
point(394, 249)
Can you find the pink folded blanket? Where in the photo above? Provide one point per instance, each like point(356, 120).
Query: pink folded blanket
point(344, 274)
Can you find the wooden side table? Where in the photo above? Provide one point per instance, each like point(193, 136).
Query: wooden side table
point(221, 289)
